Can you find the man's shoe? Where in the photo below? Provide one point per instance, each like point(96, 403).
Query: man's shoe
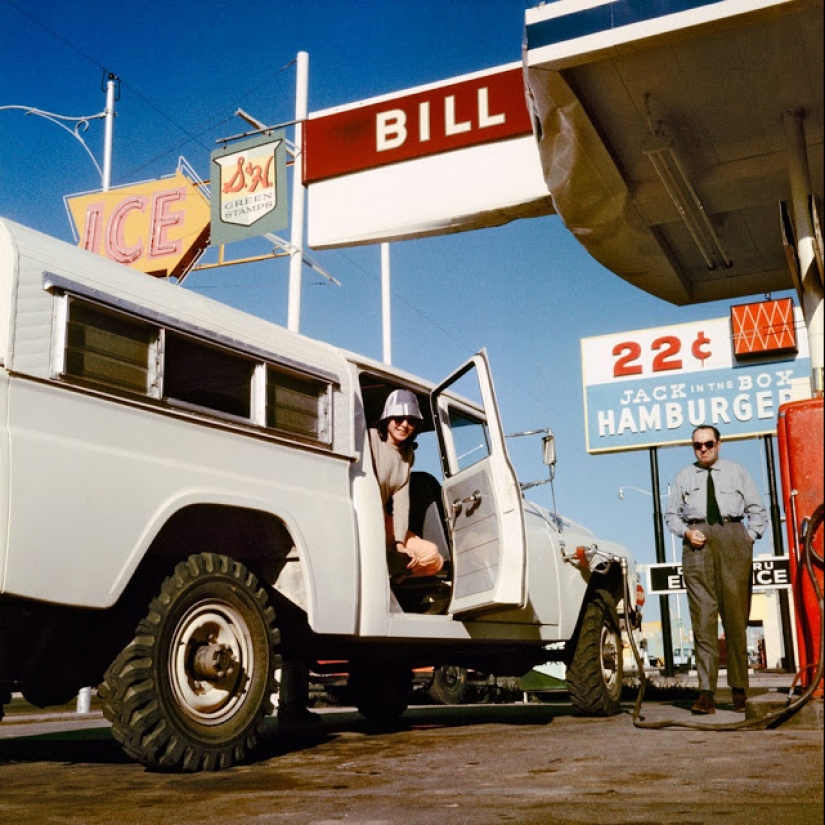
point(739, 699)
point(295, 716)
point(704, 704)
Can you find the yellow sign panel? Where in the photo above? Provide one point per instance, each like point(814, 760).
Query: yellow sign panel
point(159, 227)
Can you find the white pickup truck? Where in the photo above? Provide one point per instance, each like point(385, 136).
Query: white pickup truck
point(188, 495)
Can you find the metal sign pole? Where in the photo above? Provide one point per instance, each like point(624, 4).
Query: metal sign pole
point(297, 234)
point(84, 696)
point(108, 131)
point(658, 530)
point(386, 303)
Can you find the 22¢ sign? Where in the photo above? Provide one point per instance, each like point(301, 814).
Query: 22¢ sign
point(652, 387)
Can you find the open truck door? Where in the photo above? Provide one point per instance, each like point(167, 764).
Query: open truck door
point(481, 493)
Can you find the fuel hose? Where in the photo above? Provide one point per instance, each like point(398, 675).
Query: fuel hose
point(770, 720)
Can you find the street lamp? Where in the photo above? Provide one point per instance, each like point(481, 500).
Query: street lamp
point(638, 490)
point(81, 124)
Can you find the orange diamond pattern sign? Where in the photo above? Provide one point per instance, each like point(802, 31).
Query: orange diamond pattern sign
point(766, 327)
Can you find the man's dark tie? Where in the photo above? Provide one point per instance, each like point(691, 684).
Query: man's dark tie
point(714, 516)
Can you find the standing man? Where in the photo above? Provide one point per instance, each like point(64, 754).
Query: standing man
point(707, 508)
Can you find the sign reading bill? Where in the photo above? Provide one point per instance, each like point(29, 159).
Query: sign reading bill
point(249, 189)
point(446, 157)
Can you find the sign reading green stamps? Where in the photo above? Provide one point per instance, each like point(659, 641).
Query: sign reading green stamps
point(249, 189)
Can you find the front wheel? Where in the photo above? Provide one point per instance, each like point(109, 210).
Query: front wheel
point(192, 689)
point(594, 676)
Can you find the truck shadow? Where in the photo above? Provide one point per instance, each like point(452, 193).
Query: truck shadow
point(90, 745)
point(95, 744)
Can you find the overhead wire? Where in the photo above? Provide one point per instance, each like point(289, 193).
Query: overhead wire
point(195, 137)
point(190, 135)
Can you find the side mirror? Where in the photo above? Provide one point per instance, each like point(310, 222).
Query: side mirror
point(548, 450)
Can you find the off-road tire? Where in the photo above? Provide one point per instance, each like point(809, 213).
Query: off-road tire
point(380, 691)
point(594, 675)
point(164, 711)
point(449, 685)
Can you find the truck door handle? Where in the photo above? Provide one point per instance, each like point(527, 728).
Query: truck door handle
point(471, 502)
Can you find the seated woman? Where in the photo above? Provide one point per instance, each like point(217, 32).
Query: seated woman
point(392, 456)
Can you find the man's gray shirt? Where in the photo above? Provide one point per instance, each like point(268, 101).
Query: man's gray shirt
point(736, 495)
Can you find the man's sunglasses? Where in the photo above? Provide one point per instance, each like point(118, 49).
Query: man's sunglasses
point(703, 445)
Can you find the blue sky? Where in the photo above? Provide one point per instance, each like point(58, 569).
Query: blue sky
point(528, 292)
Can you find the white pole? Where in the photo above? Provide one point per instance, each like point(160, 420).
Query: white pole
point(386, 310)
point(108, 133)
point(297, 236)
point(84, 696)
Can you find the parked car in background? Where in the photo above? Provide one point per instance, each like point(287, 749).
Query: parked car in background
point(683, 657)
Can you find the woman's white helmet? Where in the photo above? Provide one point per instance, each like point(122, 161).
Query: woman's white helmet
point(401, 404)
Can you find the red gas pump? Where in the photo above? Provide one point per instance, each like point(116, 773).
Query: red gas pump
point(800, 441)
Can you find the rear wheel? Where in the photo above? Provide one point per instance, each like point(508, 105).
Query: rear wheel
point(380, 691)
point(449, 685)
point(5, 698)
point(192, 689)
point(594, 676)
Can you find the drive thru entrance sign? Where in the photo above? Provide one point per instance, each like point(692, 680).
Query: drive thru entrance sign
point(769, 572)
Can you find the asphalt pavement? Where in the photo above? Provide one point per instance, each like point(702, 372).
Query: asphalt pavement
point(525, 763)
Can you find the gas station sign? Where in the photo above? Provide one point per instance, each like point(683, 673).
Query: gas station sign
point(416, 123)
point(408, 164)
point(160, 227)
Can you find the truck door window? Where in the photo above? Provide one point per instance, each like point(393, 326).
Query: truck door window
point(470, 439)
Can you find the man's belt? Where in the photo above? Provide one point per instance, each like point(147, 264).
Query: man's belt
point(725, 520)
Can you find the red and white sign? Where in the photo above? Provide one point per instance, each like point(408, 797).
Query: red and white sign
point(651, 387)
point(415, 124)
point(454, 155)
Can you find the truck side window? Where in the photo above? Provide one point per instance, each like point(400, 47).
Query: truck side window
point(216, 379)
point(298, 405)
point(96, 345)
point(108, 348)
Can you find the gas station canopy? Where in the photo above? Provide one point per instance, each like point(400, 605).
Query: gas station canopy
point(668, 132)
